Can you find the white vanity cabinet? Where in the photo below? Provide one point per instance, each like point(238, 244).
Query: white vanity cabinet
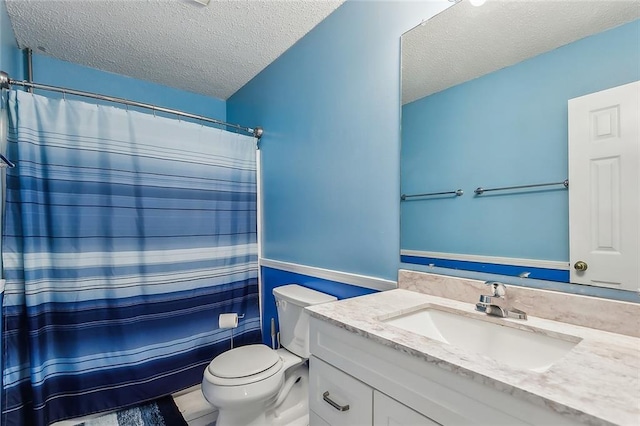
point(337, 399)
point(382, 385)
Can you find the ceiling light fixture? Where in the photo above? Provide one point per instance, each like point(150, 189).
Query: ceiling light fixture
point(202, 2)
point(473, 2)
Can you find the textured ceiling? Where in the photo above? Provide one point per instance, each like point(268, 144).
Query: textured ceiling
point(212, 50)
point(465, 42)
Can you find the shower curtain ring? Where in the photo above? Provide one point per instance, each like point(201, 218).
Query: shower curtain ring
point(64, 95)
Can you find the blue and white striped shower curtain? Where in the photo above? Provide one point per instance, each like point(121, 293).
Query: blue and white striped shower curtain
point(125, 236)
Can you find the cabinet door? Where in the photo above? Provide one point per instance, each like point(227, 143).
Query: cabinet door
point(338, 398)
point(316, 420)
point(389, 412)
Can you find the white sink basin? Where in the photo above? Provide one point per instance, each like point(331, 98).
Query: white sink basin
point(516, 347)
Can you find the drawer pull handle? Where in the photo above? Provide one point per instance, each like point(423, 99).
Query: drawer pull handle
point(334, 404)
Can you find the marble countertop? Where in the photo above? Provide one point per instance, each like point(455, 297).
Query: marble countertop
point(597, 382)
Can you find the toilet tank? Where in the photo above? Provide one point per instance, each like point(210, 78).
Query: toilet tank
point(291, 300)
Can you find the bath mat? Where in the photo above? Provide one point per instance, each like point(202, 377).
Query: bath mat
point(161, 412)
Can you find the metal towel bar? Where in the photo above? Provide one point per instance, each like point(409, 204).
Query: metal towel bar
point(480, 190)
point(457, 192)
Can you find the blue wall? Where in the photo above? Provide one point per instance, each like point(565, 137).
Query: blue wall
point(275, 278)
point(330, 107)
point(506, 128)
point(10, 60)
point(47, 70)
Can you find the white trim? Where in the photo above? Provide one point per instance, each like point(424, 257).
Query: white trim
point(512, 261)
point(328, 274)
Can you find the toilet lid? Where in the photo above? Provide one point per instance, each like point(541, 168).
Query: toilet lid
point(243, 361)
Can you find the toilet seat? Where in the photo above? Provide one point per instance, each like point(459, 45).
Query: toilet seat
point(244, 365)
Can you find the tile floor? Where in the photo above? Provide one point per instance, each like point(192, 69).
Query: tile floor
point(194, 408)
point(191, 403)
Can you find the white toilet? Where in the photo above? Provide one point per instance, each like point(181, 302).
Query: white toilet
point(255, 385)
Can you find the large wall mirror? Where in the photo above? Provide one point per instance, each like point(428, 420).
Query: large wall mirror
point(485, 93)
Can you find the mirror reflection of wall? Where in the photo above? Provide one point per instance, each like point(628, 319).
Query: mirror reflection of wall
point(495, 115)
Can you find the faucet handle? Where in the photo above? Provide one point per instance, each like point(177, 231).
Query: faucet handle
point(497, 288)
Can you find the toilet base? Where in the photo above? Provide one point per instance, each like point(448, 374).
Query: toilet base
point(293, 411)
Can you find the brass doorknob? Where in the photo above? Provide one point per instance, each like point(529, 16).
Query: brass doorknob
point(580, 266)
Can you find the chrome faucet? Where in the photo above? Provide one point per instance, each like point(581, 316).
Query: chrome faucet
point(497, 303)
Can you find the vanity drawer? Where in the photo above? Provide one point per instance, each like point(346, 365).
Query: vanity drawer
point(338, 398)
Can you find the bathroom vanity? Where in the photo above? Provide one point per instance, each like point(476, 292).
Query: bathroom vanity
point(409, 358)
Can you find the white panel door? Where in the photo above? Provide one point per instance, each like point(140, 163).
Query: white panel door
point(604, 191)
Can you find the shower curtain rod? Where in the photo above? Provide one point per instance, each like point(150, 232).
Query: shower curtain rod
point(6, 82)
